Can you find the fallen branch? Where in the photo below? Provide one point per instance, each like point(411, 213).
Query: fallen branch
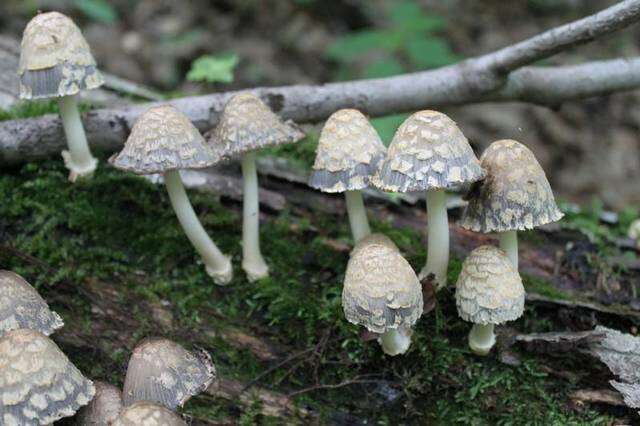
point(496, 76)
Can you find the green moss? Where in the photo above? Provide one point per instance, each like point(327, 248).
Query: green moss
point(542, 287)
point(28, 109)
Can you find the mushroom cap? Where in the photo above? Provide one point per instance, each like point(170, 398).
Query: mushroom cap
point(428, 152)
point(55, 59)
point(374, 239)
point(163, 139)
point(634, 230)
point(162, 371)
point(348, 154)
point(381, 291)
point(103, 408)
point(514, 196)
point(22, 307)
point(148, 414)
point(489, 289)
point(38, 383)
point(247, 124)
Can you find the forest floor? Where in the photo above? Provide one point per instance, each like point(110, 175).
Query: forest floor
point(110, 257)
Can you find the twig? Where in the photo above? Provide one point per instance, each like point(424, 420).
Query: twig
point(355, 381)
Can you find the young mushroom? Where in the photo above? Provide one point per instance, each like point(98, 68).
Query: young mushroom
point(515, 196)
point(348, 154)
point(634, 232)
point(22, 307)
point(489, 292)
point(382, 293)
point(38, 383)
point(247, 125)
point(103, 408)
point(147, 413)
point(56, 62)
point(164, 141)
point(162, 371)
point(430, 153)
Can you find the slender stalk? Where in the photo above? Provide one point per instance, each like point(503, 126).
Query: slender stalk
point(482, 339)
point(509, 243)
point(357, 215)
point(78, 158)
point(395, 341)
point(437, 238)
point(252, 261)
point(218, 265)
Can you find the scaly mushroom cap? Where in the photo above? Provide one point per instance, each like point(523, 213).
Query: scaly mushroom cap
point(38, 383)
point(163, 139)
point(247, 124)
point(381, 291)
point(374, 239)
point(163, 371)
point(103, 408)
point(428, 152)
point(145, 413)
point(514, 196)
point(22, 307)
point(55, 59)
point(489, 290)
point(348, 154)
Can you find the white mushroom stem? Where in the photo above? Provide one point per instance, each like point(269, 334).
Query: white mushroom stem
point(218, 265)
point(78, 158)
point(481, 339)
point(252, 261)
point(395, 341)
point(509, 243)
point(357, 215)
point(437, 238)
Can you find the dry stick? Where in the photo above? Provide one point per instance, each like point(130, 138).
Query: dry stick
point(354, 381)
point(492, 77)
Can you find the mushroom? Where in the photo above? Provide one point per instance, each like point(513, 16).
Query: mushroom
point(246, 125)
point(148, 414)
point(22, 307)
point(164, 141)
point(162, 371)
point(56, 62)
point(489, 291)
point(382, 293)
point(348, 154)
point(38, 383)
point(103, 408)
point(514, 196)
point(634, 232)
point(430, 153)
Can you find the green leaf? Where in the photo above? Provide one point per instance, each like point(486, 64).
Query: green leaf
point(429, 52)
point(213, 69)
point(409, 17)
point(384, 67)
point(387, 126)
point(346, 48)
point(98, 10)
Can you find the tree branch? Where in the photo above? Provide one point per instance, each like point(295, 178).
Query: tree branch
point(480, 79)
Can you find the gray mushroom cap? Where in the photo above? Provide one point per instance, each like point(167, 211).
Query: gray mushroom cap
point(428, 152)
point(381, 291)
point(162, 371)
point(148, 414)
point(55, 59)
point(514, 196)
point(22, 307)
point(38, 383)
point(374, 239)
point(489, 290)
point(163, 139)
point(247, 124)
point(348, 154)
point(103, 408)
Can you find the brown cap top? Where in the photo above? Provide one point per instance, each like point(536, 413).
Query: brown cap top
point(163, 371)
point(38, 383)
point(148, 414)
point(163, 139)
point(22, 307)
point(348, 154)
point(103, 408)
point(428, 152)
point(247, 124)
point(381, 291)
point(489, 289)
point(53, 46)
point(515, 194)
